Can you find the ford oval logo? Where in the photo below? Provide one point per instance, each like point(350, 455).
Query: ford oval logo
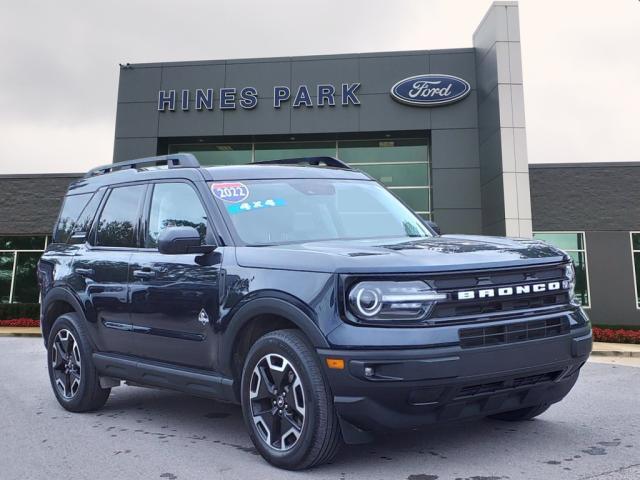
point(430, 90)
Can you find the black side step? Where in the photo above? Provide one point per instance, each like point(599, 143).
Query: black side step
point(201, 383)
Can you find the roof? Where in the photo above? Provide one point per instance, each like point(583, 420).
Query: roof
point(264, 172)
point(29, 203)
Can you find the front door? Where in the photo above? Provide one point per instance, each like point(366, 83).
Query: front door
point(174, 298)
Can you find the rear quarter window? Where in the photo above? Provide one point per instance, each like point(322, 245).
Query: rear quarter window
point(69, 213)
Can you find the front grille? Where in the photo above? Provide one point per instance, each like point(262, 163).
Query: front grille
point(455, 311)
point(513, 332)
point(505, 385)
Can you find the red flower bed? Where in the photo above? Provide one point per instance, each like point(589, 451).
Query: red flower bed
point(20, 322)
point(618, 335)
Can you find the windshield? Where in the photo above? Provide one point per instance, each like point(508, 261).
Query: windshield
point(272, 212)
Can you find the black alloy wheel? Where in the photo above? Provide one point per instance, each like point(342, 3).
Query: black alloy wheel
point(277, 402)
point(287, 402)
point(66, 364)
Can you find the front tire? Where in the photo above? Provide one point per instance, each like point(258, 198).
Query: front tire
point(287, 404)
point(73, 376)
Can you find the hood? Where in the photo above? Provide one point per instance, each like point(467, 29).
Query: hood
point(393, 255)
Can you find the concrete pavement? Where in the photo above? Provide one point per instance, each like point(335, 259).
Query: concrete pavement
point(143, 433)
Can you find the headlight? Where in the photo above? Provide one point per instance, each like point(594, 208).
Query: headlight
point(389, 300)
point(570, 283)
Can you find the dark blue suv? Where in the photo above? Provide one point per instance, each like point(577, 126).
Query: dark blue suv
point(305, 291)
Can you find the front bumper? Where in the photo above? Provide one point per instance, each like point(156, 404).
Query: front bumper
point(396, 389)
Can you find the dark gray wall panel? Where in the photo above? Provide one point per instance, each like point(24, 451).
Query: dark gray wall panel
point(261, 75)
point(462, 114)
point(325, 119)
point(456, 188)
point(262, 120)
point(139, 84)
point(459, 220)
point(380, 112)
point(461, 65)
point(380, 73)
point(610, 267)
point(585, 196)
point(132, 148)
point(137, 120)
point(334, 71)
point(455, 148)
point(198, 76)
point(191, 123)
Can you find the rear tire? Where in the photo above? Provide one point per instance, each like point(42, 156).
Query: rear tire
point(73, 376)
point(521, 414)
point(287, 403)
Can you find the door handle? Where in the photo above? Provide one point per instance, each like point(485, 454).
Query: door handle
point(144, 273)
point(85, 272)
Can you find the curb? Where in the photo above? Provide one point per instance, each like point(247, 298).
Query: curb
point(615, 353)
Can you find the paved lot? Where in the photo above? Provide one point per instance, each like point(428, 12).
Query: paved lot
point(144, 433)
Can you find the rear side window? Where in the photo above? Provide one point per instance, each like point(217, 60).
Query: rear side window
point(118, 223)
point(71, 208)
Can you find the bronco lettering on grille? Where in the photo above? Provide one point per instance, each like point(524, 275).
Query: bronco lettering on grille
point(509, 291)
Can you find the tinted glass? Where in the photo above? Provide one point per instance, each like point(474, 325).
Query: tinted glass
point(6, 271)
point(292, 211)
point(22, 243)
point(564, 241)
point(71, 208)
point(274, 151)
point(580, 262)
point(174, 205)
point(25, 284)
point(398, 176)
point(88, 214)
point(118, 222)
point(217, 154)
point(389, 150)
point(417, 198)
point(635, 238)
point(636, 259)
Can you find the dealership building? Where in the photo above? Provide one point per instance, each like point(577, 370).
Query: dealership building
point(443, 129)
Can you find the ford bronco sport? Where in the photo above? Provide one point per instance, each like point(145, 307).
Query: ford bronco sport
point(306, 292)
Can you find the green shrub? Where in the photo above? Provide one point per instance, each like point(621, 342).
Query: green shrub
point(10, 311)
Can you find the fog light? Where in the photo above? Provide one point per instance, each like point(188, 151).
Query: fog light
point(369, 372)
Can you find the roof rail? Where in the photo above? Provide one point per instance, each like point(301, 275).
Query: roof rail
point(312, 161)
point(176, 160)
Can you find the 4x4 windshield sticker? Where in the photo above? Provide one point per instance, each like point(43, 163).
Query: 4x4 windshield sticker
point(255, 205)
point(230, 192)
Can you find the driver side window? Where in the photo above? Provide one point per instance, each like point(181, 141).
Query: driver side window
point(174, 205)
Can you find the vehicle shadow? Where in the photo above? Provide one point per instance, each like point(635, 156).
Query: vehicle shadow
point(173, 416)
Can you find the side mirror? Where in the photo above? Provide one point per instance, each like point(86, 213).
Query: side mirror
point(433, 226)
point(181, 240)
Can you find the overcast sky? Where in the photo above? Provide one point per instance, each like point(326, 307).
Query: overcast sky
point(59, 63)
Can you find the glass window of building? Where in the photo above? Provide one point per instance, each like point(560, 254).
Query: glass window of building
point(274, 151)
point(19, 257)
point(635, 249)
point(401, 164)
point(211, 155)
point(573, 243)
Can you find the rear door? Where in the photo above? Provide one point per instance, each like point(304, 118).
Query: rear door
point(101, 269)
point(174, 298)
